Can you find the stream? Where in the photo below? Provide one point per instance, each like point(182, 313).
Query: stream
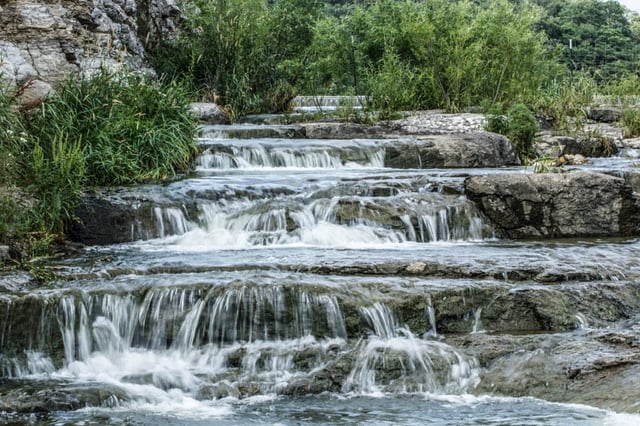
point(294, 281)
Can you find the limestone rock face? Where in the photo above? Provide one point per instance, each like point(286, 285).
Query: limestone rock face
point(564, 205)
point(49, 40)
point(209, 113)
point(479, 149)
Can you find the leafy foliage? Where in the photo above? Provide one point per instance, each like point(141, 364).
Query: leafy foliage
point(435, 54)
point(403, 54)
point(245, 54)
point(518, 124)
point(631, 122)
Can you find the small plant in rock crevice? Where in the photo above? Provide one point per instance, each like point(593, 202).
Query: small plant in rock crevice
point(631, 122)
point(518, 124)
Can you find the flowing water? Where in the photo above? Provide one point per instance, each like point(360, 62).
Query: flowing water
point(294, 281)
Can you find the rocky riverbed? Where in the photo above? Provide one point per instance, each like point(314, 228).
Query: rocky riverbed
point(293, 265)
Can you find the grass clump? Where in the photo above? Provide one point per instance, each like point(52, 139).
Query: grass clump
point(108, 130)
point(631, 122)
point(132, 129)
point(518, 124)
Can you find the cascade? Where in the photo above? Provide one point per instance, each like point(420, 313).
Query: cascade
point(477, 321)
point(394, 359)
point(292, 280)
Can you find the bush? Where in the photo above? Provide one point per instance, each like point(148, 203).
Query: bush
point(247, 55)
point(394, 87)
point(111, 129)
point(436, 54)
point(518, 124)
point(132, 129)
point(631, 122)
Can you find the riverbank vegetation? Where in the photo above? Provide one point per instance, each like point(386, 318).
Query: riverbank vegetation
point(512, 58)
point(550, 57)
point(106, 130)
point(255, 56)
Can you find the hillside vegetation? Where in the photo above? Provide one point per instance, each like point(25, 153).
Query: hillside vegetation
point(255, 56)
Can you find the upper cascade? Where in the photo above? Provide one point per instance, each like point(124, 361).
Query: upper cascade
point(291, 154)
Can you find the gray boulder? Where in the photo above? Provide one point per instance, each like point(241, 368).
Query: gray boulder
point(604, 114)
point(209, 113)
point(565, 205)
point(481, 149)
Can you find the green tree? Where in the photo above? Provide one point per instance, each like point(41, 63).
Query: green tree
point(592, 35)
point(443, 54)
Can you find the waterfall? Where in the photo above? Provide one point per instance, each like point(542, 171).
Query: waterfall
point(171, 221)
point(282, 154)
point(431, 315)
point(381, 320)
point(393, 359)
point(477, 321)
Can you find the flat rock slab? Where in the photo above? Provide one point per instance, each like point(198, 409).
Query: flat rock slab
point(461, 150)
point(562, 205)
point(439, 123)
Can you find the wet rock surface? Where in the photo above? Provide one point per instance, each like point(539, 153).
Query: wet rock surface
point(105, 221)
point(46, 397)
point(557, 205)
point(595, 367)
point(452, 151)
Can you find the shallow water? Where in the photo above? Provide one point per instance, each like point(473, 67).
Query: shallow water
point(351, 410)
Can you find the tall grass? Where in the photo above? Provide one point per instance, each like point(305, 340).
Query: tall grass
point(133, 129)
point(13, 139)
point(58, 179)
point(111, 129)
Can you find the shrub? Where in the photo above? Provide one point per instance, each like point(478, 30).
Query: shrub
point(394, 87)
point(132, 129)
point(110, 129)
point(436, 54)
point(518, 124)
point(496, 119)
point(631, 122)
point(247, 55)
